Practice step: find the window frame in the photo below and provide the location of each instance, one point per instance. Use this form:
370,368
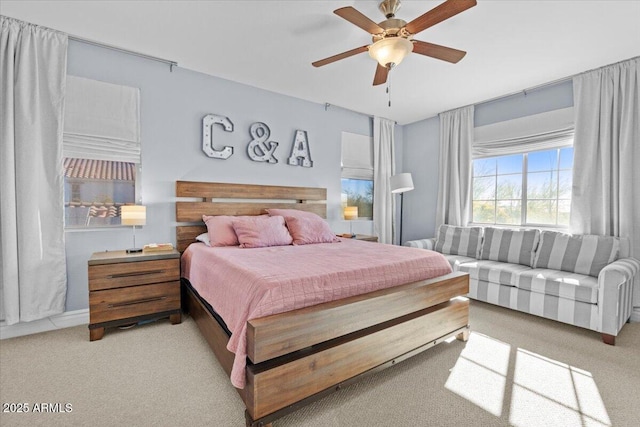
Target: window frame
356,162
524,192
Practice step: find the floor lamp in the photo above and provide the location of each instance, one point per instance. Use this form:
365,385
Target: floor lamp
401,183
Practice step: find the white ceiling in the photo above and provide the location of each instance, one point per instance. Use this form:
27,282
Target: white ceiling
511,45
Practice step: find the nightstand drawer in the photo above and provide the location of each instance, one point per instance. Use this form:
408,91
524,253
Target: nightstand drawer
114,304
120,275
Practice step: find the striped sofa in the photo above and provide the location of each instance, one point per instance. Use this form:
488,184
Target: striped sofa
582,280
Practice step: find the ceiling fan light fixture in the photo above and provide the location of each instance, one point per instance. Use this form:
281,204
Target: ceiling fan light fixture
390,51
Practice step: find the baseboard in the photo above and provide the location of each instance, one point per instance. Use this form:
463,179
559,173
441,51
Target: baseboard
635,314
60,321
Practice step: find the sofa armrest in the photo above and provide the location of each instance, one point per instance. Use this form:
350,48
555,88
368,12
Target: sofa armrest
429,243
615,286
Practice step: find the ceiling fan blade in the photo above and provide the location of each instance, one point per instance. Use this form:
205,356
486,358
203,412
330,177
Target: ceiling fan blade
381,75
439,52
438,14
358,19
340,56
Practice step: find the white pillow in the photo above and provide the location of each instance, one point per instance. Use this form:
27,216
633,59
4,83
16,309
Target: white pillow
204,238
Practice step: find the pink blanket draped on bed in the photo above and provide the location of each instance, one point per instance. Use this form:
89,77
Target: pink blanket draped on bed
243,284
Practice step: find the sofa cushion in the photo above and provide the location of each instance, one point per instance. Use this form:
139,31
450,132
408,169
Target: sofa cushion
512,246
457,260
459,240
584,254
573,286
502,273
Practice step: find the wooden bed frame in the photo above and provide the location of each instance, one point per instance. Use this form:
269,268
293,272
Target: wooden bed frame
297,357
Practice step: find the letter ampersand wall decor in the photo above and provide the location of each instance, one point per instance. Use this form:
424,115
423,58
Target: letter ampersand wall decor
207,136
259,149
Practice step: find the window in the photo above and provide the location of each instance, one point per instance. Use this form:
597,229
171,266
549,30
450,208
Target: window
523,189
101,149
94,191
357,173
359,193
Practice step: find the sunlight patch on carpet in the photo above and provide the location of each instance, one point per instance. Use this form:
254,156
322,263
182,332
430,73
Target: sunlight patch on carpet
480,373
548,392
543,391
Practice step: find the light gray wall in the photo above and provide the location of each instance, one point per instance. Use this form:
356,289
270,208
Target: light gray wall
422,148
172,107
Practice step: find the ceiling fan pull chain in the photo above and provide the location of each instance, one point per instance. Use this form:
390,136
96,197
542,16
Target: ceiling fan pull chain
389,88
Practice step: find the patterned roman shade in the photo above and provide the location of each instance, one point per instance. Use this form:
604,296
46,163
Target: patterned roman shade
584,254
459,240
513,246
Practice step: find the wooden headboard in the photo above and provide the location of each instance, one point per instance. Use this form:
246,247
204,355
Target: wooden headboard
216,198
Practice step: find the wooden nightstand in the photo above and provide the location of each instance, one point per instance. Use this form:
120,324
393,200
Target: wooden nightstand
127,288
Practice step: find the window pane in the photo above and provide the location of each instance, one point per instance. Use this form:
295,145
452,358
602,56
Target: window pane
566,158
564,188
484,167
484,212
542,185
94,191
508,212
542,160
510,186
510,164
358,192
541,212
484,188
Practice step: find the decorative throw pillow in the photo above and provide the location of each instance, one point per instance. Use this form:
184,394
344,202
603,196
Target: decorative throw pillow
459,240
583,254
204,238
513,246
306,227
262,231
220,229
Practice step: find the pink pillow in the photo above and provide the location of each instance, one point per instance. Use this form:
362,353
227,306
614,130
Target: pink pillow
260,232
220,229
306,227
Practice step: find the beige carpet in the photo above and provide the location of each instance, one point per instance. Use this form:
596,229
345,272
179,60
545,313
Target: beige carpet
516,369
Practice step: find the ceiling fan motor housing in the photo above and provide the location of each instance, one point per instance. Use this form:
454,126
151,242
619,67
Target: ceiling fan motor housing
389,7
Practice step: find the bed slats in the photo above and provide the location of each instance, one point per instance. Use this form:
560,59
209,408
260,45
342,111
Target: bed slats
276,335
219,190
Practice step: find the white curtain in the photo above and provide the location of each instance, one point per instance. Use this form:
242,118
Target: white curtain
32,258
454,187
606,173
383,168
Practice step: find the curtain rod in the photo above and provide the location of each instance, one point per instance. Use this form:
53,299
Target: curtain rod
123,50
540,86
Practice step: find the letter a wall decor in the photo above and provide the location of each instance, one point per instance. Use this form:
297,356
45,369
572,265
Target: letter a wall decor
207,136
300,154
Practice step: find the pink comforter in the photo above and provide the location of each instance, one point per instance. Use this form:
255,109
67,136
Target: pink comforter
243,284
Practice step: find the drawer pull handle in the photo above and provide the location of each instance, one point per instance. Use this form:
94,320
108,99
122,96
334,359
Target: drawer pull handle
135,273
140,301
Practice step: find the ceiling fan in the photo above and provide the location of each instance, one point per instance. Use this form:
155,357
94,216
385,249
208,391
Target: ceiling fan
393,38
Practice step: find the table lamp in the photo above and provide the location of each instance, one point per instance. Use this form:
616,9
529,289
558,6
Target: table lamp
133,215
350,214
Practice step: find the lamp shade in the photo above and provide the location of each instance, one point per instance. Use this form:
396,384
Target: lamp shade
401,183
390,50
133,215
351,212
